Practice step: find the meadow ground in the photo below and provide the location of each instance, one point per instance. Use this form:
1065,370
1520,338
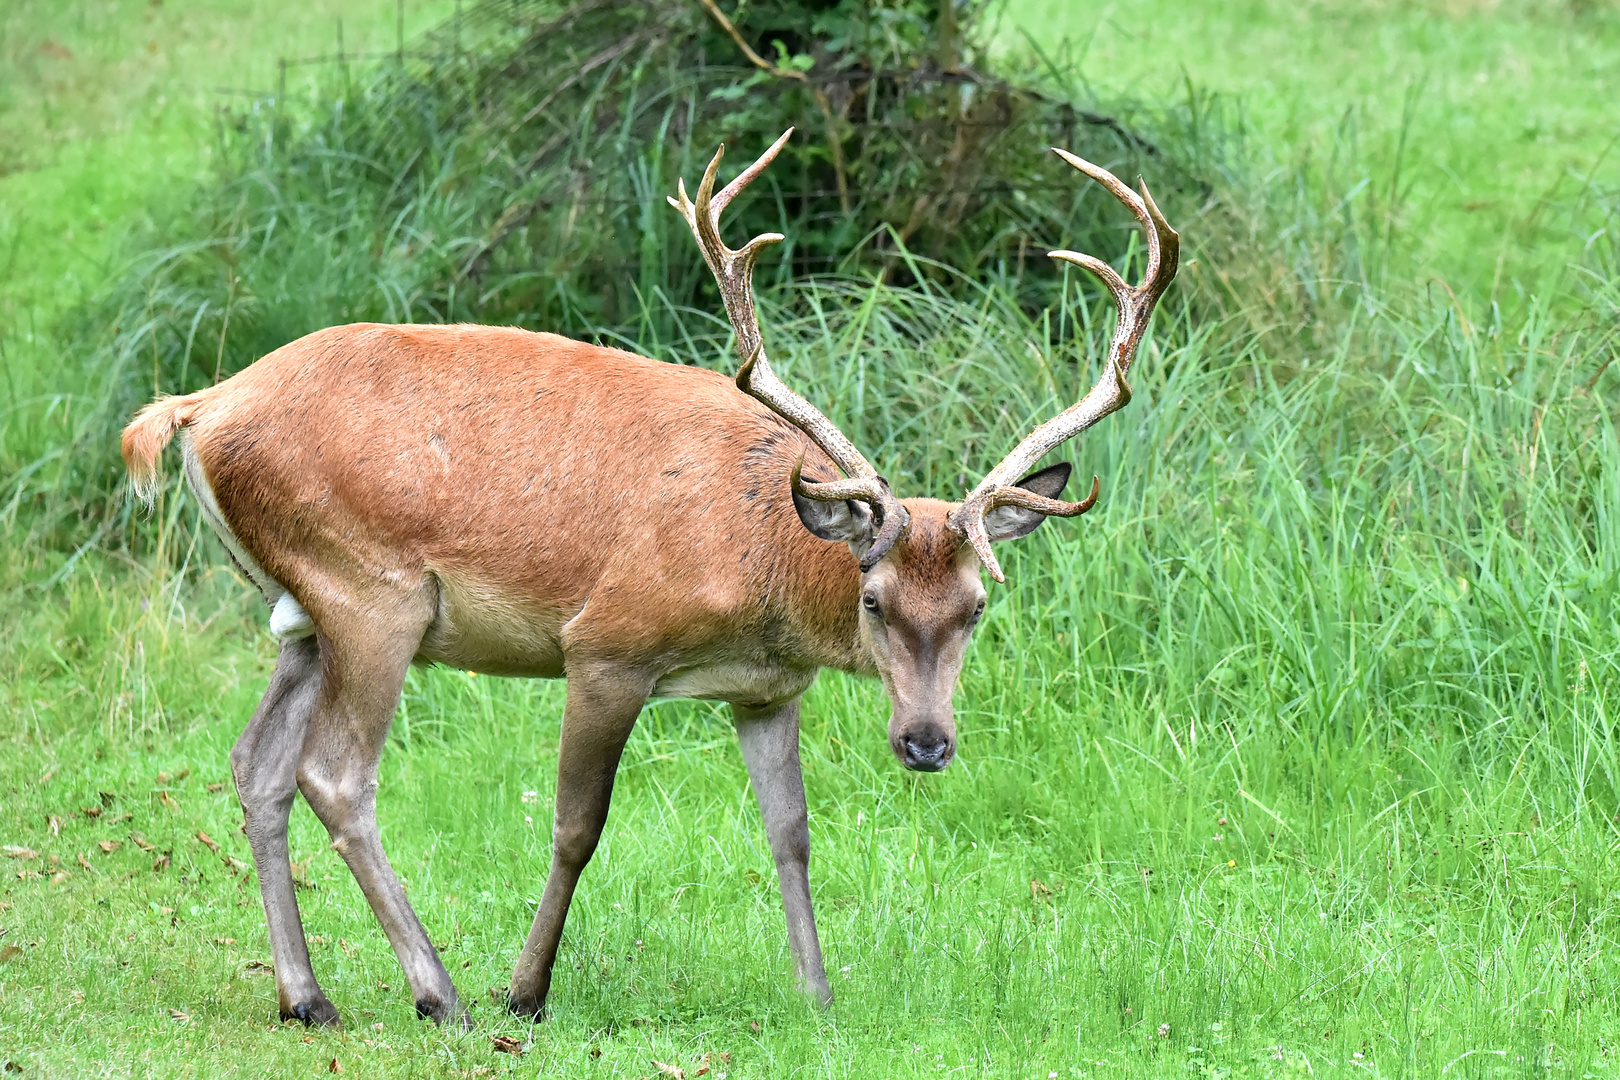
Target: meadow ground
1295,758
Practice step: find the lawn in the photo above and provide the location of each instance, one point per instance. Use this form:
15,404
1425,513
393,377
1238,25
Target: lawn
1294,758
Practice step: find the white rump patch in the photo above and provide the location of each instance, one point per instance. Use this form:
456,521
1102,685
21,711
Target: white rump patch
288,619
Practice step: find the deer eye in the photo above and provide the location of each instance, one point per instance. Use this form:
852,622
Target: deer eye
977,612
869,601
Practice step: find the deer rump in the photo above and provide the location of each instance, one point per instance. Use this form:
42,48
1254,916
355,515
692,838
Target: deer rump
519,477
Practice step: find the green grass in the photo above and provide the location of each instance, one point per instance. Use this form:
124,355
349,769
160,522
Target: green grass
1487,126
1299,747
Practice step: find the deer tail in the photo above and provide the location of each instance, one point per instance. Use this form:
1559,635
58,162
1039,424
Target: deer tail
147,435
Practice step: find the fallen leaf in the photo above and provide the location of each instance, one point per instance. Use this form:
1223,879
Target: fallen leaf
301,878
224,941
168,800
14,852
207,841
55,824
9,952
233,864
13,1067
181,775
1038,891
335,1066
91,811
505,1044
215,789
179,1016
59,877
161,864
163,779
56,51
674,1072
84,862
106,797
258,967
109,846
141,842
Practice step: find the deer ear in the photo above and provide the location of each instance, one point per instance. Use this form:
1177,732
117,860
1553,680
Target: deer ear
1011,522
846,520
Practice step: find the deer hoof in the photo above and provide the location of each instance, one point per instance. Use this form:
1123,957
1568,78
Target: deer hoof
317,1012
527,1006
442,1012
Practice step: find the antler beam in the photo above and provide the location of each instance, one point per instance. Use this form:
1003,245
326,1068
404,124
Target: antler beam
1134,305
734,272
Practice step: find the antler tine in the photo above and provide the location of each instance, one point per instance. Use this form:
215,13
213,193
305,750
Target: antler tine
1134,307
734,272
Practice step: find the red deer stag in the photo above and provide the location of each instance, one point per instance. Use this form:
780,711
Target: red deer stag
523,504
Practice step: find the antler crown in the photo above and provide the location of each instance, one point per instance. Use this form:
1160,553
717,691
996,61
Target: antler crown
734,272
1134,306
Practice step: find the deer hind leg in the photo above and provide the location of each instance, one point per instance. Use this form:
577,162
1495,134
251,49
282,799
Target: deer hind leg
770,747
602,707
364,670
264,764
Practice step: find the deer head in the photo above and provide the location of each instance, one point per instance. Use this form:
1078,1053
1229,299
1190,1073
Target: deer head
921,594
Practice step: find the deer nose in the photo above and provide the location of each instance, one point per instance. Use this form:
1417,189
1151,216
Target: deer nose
927,752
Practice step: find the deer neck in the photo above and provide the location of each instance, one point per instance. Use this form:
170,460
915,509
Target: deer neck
821,592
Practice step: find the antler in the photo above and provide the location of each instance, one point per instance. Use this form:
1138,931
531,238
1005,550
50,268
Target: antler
1134,305
734,273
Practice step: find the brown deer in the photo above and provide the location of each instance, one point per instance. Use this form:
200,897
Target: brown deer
523,504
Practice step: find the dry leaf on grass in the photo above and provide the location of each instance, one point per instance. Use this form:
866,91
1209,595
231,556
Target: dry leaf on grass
674,1072
335,1066
54,823
91,811
8,953
224,941
161,864
168,800
108,846
84,862
233,864
13,851
180,1016
505,1044
214,789
207,841
141,842
708,1059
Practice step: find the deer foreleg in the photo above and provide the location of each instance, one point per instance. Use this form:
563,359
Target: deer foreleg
770,746
601,709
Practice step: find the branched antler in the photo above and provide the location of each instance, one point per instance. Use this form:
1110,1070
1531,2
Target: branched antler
734,272
1134,304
